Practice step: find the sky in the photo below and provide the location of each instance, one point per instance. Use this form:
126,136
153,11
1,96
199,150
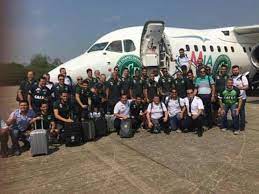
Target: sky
66,28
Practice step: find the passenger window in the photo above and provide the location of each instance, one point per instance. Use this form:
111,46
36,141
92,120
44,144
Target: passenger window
244,49
187,47
232,49
196,48
219,49
226,49
204,48
211,48
129,46
115,46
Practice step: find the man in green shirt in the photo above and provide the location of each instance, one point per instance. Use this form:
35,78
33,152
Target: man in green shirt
230,99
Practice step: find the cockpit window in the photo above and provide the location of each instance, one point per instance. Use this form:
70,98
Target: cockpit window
98,47
115,46
129,45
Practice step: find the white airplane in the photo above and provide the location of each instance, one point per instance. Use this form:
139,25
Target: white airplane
155,45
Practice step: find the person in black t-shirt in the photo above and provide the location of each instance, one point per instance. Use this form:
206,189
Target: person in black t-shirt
136,112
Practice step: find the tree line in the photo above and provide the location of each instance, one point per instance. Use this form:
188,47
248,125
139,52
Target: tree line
13,73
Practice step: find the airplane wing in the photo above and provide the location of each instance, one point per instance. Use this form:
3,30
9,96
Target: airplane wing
248,31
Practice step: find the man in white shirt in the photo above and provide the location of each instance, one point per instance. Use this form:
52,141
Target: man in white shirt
121,111
183,60
194,108
241,82
174,106
157,115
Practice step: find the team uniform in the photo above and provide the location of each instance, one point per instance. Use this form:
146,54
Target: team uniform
85,95
137,86
152,89
114,87
39,95
126,86
166,83
135,110
25,87
58,89
181,87
230,98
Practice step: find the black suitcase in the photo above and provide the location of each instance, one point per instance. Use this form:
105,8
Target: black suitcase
100,126
88,130
73,133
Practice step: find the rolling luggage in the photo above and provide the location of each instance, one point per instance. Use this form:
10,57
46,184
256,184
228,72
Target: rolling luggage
39,141
73,133
126,130
88,130
110,123
100,126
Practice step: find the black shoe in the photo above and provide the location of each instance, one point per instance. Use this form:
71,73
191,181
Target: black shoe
200,132
26,145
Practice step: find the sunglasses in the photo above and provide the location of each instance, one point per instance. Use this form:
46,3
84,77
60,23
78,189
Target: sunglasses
61,79
189,92
202,71
79,79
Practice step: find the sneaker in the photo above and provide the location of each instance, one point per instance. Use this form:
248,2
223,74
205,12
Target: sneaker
178,131
236,132
224,129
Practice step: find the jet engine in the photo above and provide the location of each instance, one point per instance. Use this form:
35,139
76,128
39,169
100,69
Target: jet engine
255,56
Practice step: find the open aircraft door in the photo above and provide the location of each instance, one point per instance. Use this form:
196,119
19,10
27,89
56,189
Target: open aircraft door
155,50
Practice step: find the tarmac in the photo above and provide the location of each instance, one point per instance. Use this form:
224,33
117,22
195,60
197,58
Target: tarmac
218,162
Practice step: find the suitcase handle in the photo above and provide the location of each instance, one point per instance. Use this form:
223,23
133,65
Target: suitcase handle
41,122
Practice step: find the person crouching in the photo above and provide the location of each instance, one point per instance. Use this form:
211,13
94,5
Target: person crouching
157,115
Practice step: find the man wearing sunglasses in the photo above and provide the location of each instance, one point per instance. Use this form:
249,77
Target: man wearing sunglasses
60,87
205,89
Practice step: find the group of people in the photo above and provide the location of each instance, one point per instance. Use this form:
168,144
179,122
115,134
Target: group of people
156,102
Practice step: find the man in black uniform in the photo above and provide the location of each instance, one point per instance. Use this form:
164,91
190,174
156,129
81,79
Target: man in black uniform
91,80
166,83
220,85
136,112
47,120
101,89
181,85
144,75
83,100
113,91
190,80
25,86
150,88
137,85
126,83
38,94
59,88
62,110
